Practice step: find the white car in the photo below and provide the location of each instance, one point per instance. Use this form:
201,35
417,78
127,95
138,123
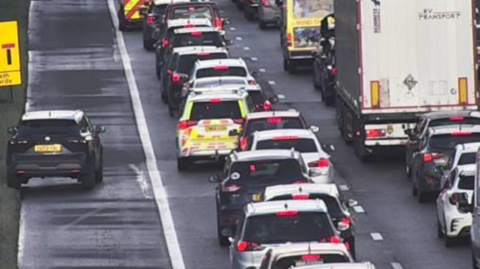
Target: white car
359,265
452,223
319,166
221,68
464,155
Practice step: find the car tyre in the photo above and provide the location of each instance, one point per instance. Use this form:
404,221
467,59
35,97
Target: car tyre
408,170
329,100
440,233
13,182
449,241
360,150
262,25
99,174
148,46
421,196
122,22
88,180
183,164
222,240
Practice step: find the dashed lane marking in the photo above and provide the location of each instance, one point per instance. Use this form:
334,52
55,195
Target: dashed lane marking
263,70
344,187
246,48
376,236
254,59
238,38
271,82
159,191
396,265
280,96
359,209
233,28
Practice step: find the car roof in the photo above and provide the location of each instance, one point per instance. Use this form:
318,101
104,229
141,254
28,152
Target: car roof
287,189
195,29
217,62
264,154
357,265
184,22
453,113
271,114
272,207
468,147
225,88
467,170
225,78
190,2
201,96
307,248
166,2
198,49
278,133
75,115
447,129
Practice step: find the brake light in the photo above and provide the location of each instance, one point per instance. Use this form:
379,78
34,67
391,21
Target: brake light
220,67
252,82
189,26
320,163
238,121
335,240
334,71
216,100
374,133
265,3
461,134
267,106
165,43
175,77
301,196
196,34
242,246
203,54
285,138
287,213
454,198
21,172
218,23
347,221
243,143
182,125
309,258
231,188
289,40
457,118
248,246
150,19
428,157
274,120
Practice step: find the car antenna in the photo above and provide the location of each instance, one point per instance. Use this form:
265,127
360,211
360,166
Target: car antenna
300,189
285,205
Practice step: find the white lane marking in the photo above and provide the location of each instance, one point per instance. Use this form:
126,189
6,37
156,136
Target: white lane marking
159,191
376,236
271,82
30,73
21,237
254,59
263,70
344,187
246,48
233,28
238,38
281,96
396,265
359,209
142,180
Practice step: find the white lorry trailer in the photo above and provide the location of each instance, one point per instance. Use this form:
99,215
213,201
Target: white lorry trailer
397,59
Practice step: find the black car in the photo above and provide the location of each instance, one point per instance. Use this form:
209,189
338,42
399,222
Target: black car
435,119
152,20
432,152
178,68
250,9
244,179
55,144
324,76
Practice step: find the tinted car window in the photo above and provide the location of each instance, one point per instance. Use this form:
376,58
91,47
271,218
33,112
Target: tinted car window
221,71
48,128
215,110
466,182
193,12
293,227
310,259
219,82
302,145
266,171
257,97
159,10
197,39
449,141
186,62
454,121
273,124
467,158
333,206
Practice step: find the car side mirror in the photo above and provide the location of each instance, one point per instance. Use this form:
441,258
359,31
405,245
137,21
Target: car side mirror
143,11
273,100
254,74
329,148
228,42
214,179
100,129
233,132
226,21
279,3
464,204
352,203
314,129
231,240
12,130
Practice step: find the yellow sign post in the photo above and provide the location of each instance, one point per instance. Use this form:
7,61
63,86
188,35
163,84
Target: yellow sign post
10,69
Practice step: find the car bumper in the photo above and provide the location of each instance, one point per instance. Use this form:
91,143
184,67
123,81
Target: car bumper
49,165
458,224
430,182
228,217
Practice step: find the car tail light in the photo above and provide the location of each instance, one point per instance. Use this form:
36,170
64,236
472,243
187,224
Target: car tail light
285,138
21,172
189,26
218,23
175,77
248,246
334,71
301,196
267,106
252,82
286,213
265,3
196,34
150,19
454,198
165,42
238,121
215,100
428,157
201,54
461,134
320,163
310,258
220,67
182,125
230,187
243,143
457,118
332,239
274,120
300,182
375,133
289,40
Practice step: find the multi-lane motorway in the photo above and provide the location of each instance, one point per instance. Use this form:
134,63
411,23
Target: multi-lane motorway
78,60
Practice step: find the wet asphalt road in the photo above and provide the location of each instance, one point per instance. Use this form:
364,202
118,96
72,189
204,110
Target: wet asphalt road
76,64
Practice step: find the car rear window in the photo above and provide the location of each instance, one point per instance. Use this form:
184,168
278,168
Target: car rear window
186,62
273,124
193,12
309,259
447,142
467,158
159,10
466,182
197,39
219,82
48,128
332,203
290,227
272,172
454,120
303,145
215,110
222,71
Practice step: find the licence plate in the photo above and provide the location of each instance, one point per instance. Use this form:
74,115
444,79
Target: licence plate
257,197
215,128
48,148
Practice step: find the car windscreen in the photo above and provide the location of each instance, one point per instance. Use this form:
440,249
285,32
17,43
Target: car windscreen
48,128
273,123
454,120
197,39
303,145
290,226
309,259
222,71
193,12
467,158
332,203
447,142
271,172
466,182
215,110
186,62
219,82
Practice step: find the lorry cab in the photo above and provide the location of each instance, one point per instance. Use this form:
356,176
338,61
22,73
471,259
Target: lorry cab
300,30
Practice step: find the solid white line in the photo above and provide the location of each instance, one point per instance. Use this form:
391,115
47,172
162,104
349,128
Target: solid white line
238,38
359,209
344,187
376,236
396,265
263,70
159,191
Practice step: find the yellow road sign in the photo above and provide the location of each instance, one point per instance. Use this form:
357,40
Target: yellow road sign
10,69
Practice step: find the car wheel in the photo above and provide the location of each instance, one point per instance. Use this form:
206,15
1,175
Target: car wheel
421,196
262,25
13,182
222,240
449,241
329,100
148,46
285,65
99,174
88,181
183,164
122,22
292,68
440,233
352,248
408,170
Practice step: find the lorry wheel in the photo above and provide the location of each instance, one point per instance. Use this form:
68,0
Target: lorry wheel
183,164
285,65
292,68
360,150
329,100
88,181
13,182
122,21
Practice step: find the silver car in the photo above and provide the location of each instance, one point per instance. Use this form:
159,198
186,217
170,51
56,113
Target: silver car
273,224
360,265
268,14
